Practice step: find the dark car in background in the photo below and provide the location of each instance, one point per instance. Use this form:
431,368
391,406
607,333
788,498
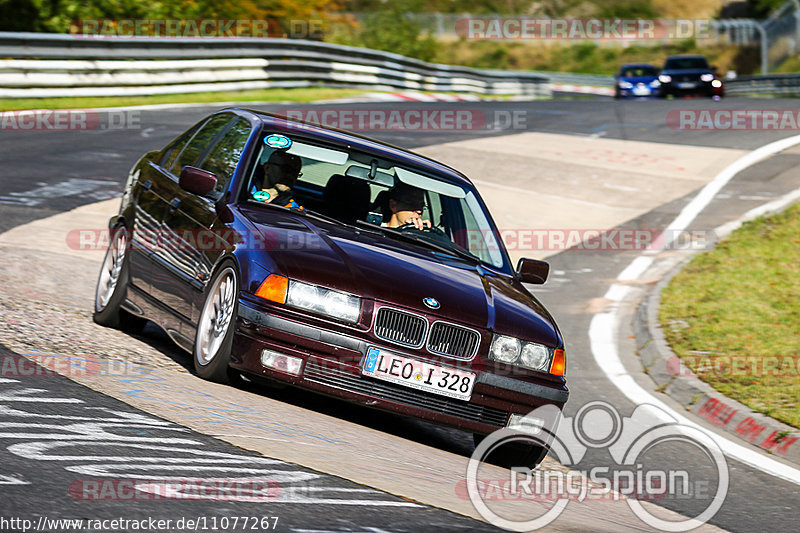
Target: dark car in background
689,75
637,80
435,323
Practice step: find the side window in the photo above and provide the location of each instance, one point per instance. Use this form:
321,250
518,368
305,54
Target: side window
177,145
224,157
200,142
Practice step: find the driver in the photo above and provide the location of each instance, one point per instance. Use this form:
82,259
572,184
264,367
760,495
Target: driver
280,174
406,204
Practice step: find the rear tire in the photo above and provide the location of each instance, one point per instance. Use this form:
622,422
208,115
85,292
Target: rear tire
214,337
514,454
112,286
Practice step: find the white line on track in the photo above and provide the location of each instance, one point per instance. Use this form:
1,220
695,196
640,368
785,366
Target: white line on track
603,327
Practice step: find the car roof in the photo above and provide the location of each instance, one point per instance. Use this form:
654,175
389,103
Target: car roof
336,136
635,65
687,56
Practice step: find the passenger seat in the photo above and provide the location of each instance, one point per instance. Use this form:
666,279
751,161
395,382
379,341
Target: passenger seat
346,198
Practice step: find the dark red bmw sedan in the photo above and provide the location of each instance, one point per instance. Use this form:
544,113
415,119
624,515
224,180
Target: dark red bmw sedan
336,263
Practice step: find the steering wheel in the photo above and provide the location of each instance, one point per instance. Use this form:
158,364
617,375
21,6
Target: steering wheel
432,229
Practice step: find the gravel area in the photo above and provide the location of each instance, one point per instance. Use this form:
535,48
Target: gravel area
46,309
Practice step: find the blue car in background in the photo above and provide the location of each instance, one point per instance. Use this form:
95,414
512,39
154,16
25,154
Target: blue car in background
637,80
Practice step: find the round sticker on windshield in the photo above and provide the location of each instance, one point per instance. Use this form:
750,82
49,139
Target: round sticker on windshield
280,142
261,196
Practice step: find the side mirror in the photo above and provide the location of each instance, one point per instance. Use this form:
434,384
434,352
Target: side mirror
533,271
197,181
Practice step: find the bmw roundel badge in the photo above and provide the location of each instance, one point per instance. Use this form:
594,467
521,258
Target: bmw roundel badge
433,303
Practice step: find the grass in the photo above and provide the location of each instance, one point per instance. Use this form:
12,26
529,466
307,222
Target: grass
261,95
586,57
733,316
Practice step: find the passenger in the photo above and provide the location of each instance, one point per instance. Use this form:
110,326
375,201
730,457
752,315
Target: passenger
280,174
406,204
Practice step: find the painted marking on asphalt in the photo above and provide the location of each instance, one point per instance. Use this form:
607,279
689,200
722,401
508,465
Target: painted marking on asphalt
24,395
603,327
87,188
103,446
10,480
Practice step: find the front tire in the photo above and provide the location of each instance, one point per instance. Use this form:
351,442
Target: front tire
214,338
112,286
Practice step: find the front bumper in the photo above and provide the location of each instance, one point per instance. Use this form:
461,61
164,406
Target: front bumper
332,365
637,92
701,88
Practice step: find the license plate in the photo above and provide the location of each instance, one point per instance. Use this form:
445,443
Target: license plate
641,91
442,380
687,85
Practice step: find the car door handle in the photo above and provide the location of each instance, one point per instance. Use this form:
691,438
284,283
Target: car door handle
173,205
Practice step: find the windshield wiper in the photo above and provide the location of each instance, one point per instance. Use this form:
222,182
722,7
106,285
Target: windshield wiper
409,237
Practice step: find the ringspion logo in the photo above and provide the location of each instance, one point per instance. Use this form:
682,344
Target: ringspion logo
628,476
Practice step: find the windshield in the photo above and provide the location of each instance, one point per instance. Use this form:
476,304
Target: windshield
638,72
352,187
686,63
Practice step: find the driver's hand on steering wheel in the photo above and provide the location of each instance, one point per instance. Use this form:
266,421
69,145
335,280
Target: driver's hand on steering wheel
418,222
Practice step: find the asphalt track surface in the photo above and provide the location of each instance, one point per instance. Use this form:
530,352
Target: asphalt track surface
45,173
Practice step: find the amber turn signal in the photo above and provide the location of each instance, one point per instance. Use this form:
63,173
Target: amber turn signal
559,366
274,288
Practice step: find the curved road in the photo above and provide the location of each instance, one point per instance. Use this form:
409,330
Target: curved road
45,173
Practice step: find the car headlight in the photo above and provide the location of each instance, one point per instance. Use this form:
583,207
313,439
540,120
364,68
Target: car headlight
716,83
328,302
706,77
505,349
535,356
531,355
665,78
324,301
625,85
655,84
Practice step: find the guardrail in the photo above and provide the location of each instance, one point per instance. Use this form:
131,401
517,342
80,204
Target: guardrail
771,84
55,65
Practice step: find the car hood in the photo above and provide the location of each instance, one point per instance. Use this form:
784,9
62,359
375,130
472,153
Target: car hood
393,272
